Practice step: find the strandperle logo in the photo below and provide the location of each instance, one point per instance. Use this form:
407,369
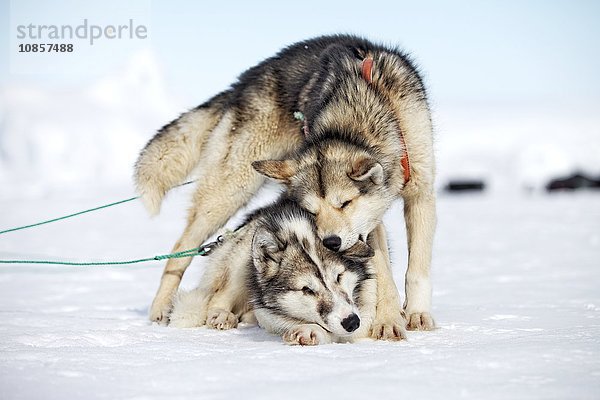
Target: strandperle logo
85,30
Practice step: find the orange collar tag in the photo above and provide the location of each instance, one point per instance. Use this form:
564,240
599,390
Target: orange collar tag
367,69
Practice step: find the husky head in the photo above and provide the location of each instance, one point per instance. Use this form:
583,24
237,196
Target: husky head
341,184
295,278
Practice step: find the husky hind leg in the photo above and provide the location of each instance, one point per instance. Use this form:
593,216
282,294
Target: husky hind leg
227,184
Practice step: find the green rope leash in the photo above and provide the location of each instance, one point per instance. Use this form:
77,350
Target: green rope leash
68,216
198,251
80,212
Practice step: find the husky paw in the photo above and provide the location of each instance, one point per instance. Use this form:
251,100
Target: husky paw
388,330
221,319
420,322
306,335
159,311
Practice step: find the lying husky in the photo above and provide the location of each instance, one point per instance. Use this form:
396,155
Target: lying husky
277,267
346,126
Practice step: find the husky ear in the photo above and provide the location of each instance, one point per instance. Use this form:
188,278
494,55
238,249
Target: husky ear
266,253
360,251
364,168
281,171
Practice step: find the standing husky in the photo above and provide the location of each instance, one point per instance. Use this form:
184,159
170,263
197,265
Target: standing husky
359,115
277,267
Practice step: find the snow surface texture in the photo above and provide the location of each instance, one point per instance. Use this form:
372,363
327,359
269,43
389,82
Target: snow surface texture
516,299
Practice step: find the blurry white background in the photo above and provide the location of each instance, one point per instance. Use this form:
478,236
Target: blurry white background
513,85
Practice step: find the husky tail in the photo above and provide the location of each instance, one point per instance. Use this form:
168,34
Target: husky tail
190,308
172,154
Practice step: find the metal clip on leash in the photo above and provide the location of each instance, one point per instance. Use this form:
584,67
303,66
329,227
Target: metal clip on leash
207,248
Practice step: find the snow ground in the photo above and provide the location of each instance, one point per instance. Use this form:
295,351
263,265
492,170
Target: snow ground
516,298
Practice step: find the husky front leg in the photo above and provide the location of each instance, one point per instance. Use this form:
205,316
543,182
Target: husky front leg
419,213
389,323
307,335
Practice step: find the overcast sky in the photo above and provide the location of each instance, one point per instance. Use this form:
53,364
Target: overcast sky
469,51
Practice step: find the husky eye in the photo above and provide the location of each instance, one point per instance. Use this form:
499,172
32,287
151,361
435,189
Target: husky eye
308,291
345,204
339,277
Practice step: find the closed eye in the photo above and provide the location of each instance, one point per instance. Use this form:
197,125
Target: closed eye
339,278
308,291
345,204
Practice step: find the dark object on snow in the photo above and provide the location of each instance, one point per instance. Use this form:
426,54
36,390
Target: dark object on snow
576,181
465,186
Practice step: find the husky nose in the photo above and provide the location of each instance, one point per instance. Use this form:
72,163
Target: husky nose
351,323
332,242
